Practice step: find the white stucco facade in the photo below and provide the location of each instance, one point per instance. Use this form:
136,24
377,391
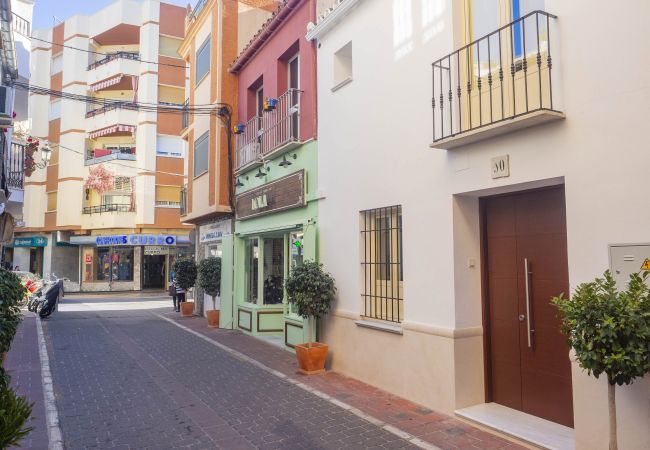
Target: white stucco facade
375,133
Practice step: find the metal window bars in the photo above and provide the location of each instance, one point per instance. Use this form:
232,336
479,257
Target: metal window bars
381,263
107,208
183,204
276,128
185,118
15,166
501,76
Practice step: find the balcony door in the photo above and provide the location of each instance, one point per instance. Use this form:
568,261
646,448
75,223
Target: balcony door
293,82
501,63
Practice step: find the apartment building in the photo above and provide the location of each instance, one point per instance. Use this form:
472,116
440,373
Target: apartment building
105,211
215,32
475,160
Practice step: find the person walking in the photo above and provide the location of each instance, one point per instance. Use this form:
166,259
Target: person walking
180,295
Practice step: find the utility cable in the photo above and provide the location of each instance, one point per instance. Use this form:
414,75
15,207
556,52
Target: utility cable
109,54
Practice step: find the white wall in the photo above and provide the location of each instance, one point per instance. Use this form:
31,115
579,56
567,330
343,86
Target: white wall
374,137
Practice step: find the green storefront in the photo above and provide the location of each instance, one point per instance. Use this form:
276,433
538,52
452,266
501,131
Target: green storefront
275,230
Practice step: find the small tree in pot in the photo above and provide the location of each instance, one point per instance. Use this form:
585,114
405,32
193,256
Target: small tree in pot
185,276
210,281
610,333
311,290
11,293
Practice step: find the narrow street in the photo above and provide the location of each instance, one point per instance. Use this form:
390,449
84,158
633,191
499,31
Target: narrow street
128,373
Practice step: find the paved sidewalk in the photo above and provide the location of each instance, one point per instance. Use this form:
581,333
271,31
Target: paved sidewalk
441,430
24,366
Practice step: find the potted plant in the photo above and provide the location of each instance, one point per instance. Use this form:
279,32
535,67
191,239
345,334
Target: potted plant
210,281
185,276
311,290
609,331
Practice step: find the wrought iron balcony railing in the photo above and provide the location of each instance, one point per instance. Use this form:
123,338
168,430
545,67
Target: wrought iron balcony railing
183,204
501,76
93,110
15,166
21,25
113,56
275,129
185,118
98,155
107,208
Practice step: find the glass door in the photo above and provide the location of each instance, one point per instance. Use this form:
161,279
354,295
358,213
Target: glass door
296,259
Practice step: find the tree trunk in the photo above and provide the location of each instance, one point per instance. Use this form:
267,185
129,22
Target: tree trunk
611,397
214,302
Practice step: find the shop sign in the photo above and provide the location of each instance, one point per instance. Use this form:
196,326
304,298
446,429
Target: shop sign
156,250
214,231
32,241
284,193
135,239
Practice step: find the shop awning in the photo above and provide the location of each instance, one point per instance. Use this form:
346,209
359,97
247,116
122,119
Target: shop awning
106,83
110,130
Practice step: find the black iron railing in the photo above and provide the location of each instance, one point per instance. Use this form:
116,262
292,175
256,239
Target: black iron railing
109,107
183,204
15,166
107,208
113,56
501,76
21,25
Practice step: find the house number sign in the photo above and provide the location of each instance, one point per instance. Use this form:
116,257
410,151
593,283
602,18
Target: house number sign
284,193
500,166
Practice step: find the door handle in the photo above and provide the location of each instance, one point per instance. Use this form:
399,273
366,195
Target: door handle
527,274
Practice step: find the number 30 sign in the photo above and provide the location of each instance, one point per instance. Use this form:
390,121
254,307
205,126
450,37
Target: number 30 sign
500,166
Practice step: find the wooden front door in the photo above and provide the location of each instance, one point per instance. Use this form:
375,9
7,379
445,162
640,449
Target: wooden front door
526,264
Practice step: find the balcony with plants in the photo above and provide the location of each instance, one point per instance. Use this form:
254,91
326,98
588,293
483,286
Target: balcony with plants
499,83
108,200
276,131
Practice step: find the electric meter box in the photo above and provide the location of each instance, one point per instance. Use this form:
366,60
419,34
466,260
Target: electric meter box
626,259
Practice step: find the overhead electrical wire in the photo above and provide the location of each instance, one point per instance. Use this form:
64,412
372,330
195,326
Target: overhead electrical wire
203,109
108,54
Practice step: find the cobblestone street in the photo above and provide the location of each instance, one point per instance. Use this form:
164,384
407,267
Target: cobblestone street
127,377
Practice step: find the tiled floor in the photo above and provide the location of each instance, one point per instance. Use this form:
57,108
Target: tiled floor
438,429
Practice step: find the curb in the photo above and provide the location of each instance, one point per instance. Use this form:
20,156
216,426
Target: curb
52,415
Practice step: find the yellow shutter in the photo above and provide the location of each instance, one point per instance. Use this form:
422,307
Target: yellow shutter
51,201
168,193
168,94
169,46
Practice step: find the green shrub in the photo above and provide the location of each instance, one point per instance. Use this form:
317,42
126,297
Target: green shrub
14,413
210,277
11,293
609,330
185,273
311,289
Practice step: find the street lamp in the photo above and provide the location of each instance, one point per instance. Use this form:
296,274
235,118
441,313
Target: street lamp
46,155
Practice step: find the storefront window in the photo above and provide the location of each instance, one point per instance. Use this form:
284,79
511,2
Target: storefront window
273,270
103,266
122,264
214,250
296,249
251,264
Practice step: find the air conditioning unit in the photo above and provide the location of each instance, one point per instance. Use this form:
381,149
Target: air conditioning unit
6,118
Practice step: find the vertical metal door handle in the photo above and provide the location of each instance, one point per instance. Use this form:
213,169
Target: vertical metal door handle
527,274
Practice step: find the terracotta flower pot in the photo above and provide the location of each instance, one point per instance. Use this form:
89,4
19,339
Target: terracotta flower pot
187,309
213,318
311,359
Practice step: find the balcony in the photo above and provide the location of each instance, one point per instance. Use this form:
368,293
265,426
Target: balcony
15,169
120,63
100,155
21,25
114,119
497,84
185,118
107,208
273,133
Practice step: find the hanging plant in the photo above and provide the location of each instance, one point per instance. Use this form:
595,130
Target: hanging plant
100,179
30,163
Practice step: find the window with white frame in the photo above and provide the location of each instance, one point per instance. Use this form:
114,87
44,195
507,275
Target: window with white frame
381,263
343,66
202,60
201,151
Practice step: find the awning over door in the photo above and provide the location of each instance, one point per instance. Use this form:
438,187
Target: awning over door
111,130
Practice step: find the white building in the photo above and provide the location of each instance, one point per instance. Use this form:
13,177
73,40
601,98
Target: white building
446,255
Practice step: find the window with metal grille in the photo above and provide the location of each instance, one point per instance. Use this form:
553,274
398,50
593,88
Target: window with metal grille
381,263
122,183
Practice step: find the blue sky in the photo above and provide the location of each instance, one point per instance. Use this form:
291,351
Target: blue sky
44,10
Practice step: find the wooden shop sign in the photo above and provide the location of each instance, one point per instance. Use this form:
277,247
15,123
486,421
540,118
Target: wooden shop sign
284,193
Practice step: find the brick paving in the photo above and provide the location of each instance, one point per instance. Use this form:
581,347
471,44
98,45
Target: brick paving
438,429
24,366
128,379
